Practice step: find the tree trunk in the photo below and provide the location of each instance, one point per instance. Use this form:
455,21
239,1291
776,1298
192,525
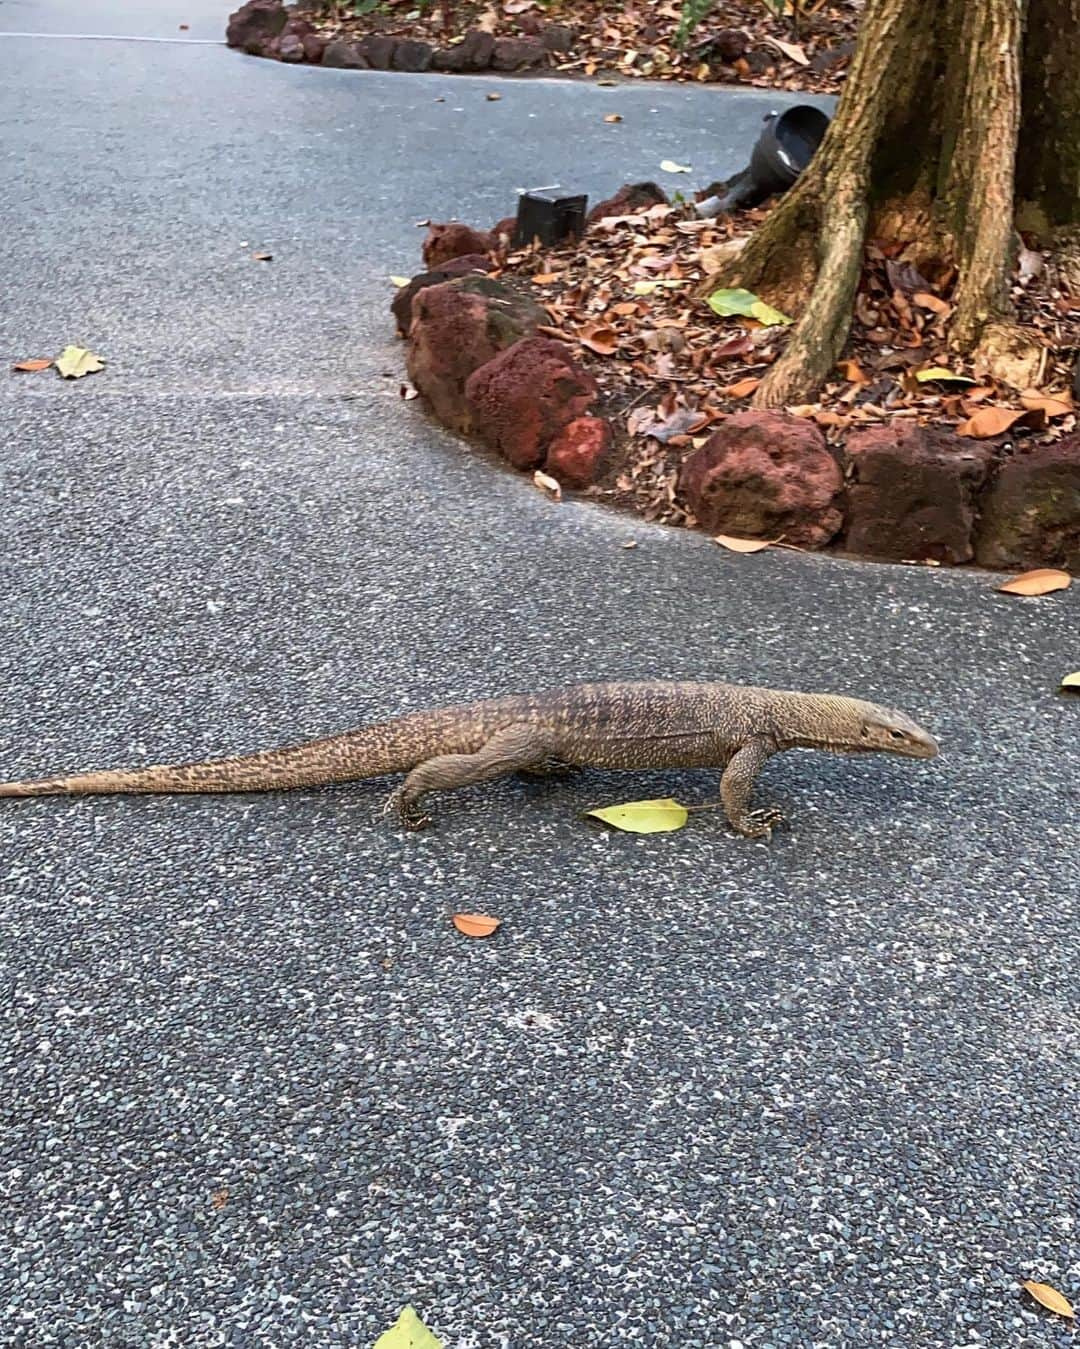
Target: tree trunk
924,149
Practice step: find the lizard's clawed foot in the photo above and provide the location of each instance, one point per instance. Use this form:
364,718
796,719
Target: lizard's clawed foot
408,815
760,823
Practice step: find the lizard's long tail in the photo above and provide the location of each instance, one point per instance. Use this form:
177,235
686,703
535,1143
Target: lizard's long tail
388,747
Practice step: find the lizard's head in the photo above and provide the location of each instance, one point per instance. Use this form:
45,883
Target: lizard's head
886,730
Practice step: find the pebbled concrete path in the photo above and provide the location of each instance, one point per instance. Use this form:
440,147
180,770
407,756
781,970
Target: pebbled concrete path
254,1089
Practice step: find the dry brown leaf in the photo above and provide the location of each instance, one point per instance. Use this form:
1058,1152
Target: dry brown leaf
547,484
544,278
613,117
625,308
1041,581
599,338
38,363
989,422
219,1198
1050,1298
739,345
1052,406
790,49
734,545
493,97
263,257
475,924
742,388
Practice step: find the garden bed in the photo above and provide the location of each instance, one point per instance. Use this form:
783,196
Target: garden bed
739,42
617,377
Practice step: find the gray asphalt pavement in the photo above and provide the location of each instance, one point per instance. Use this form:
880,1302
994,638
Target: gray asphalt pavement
256,1090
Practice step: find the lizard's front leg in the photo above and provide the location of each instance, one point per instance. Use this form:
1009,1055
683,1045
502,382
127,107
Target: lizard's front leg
511,750
737,786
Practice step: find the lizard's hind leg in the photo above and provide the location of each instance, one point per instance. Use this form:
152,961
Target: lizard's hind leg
511,750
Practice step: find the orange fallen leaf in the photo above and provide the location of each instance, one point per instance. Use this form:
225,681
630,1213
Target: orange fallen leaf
1041,581
626,308
39,363
475,924
604,341
1050,1298
742,388
1049,404
853,371
925,300
545,278
989,422
550,331
734,545
613,117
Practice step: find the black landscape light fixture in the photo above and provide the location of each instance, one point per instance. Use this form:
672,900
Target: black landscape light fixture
549,216
783,149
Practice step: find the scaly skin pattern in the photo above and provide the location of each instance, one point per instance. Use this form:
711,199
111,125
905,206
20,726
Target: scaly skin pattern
648,725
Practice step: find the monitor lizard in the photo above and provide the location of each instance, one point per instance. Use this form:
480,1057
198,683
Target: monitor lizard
632,726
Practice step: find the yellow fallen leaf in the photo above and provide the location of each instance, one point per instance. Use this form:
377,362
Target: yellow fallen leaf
649,287
1041,581
735,545
669,166
940,372
660,816
475,924
400,281
74,362
1071,681
1050,1298
408,1332
547,484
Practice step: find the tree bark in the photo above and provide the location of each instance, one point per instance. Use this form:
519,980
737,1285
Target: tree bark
923,149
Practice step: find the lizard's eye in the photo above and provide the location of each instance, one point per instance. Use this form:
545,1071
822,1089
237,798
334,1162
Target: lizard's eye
897,735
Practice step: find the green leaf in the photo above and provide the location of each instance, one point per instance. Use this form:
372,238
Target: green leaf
408,1332
74,362
745,303
400,281
644,817
939,372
